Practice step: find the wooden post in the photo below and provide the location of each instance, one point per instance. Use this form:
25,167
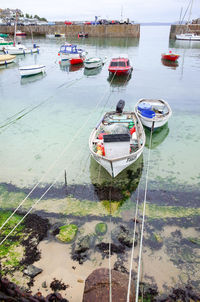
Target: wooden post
65,178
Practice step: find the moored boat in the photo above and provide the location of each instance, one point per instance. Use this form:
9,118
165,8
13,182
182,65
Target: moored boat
120,65
82,35
118,140
31,70
6,59
94,62
188,36
153,112
59,35
4,43
20,33
72,53
170,56
19,49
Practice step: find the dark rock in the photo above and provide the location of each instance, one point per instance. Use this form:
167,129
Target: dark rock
124,236
97,286
32,271
44,284
104,248
57,285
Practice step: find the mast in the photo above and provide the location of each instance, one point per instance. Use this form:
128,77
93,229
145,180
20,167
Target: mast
190,12
15,30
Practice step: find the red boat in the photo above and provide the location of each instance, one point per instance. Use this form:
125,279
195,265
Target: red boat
170,56
20,33
120,65
75,61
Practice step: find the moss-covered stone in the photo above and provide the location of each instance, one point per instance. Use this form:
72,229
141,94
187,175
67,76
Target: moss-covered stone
101,228
67,232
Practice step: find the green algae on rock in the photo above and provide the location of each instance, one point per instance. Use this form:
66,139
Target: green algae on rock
67,232
101,228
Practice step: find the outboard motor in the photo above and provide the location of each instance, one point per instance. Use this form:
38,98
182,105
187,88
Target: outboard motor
120,106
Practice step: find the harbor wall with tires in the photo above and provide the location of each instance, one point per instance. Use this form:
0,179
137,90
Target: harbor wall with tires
115,30
181,29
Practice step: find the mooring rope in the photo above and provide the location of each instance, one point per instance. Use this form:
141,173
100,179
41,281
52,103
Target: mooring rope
133,246
51,166
109,260
143,216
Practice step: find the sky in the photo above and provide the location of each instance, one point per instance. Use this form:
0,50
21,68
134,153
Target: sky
86,10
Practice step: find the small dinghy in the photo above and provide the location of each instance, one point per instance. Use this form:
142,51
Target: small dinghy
6,59
120,65
20,49
26,71
153,112
118,140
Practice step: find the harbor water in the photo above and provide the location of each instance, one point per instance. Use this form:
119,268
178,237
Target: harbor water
45,124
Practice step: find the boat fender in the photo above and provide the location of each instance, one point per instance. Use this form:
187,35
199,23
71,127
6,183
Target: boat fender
24,52
132,130
6,63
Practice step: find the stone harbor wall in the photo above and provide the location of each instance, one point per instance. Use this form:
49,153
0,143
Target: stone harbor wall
115,30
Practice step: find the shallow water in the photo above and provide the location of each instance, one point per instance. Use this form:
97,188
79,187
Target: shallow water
46,120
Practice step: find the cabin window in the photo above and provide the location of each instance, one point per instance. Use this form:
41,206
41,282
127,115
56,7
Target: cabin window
113,64
122,64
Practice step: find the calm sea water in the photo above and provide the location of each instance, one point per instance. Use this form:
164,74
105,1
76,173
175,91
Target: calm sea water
49,118
45,123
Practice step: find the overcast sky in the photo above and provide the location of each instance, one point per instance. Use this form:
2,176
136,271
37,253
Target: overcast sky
136,10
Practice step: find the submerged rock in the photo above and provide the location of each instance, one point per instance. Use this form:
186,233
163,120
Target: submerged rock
101,228
32,271
124,236
67,233
97,286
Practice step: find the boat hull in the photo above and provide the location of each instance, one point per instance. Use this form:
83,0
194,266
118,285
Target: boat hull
119,72
170,57
188,37
18,51
75,61
91,65
6,59
117,166
25,71
4,44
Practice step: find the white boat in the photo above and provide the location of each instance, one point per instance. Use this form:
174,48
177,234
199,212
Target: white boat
153,112
188,36
19,49
4,43
6,59
71,52
31,70
94,62
118,140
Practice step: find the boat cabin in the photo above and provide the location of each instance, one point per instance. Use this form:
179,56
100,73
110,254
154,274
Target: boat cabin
69,49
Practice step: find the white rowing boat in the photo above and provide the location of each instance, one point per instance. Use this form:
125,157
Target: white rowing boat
118,140
154,112
94,62
31,70
19,49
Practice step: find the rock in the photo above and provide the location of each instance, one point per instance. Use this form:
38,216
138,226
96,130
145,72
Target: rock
97,286
124,236
32,271
44,284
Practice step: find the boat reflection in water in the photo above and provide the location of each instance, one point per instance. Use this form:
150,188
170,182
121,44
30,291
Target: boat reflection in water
93,71
171,64
119,81
66,66
158,136
119,188
33,78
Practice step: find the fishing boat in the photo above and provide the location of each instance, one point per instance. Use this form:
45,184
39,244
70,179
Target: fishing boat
4,43
170,56
153,113
20,49
72,53
120,65
20,33
59,35
82,35
6,59
26,71
118,140
94,62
